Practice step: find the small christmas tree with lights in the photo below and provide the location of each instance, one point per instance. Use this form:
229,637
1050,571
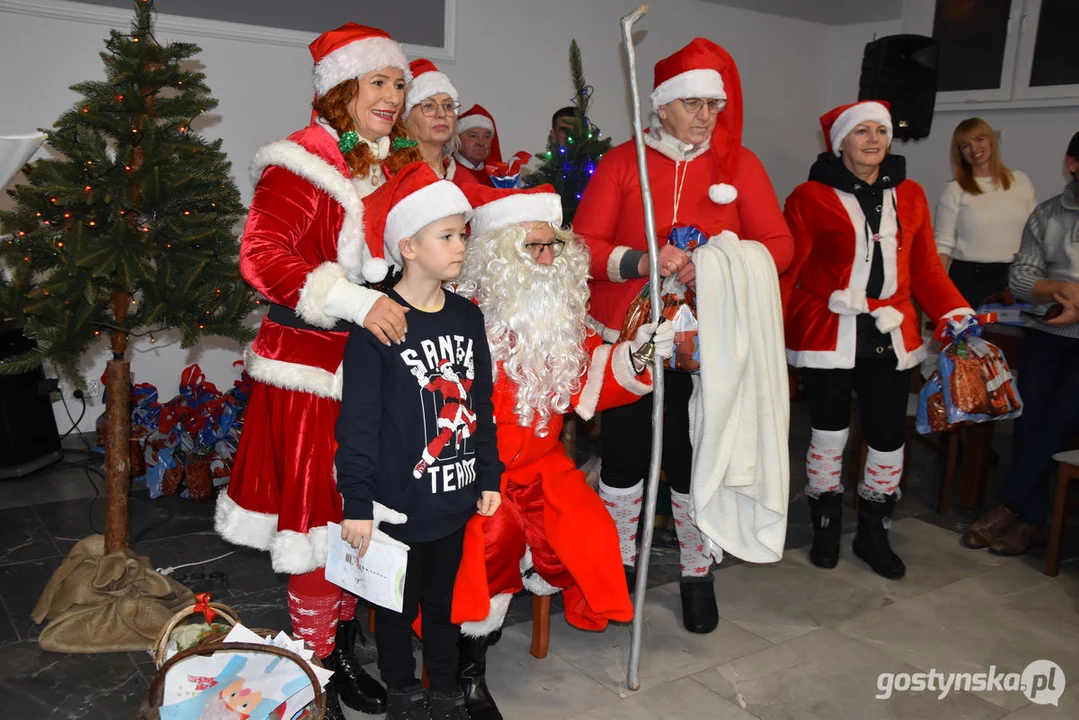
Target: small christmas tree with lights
129,231
569,166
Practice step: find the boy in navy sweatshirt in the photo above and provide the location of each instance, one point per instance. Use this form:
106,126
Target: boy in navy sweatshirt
416,432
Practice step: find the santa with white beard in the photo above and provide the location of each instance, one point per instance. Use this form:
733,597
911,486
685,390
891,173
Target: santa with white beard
552,533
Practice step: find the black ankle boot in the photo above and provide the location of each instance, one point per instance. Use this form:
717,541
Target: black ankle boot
354,686
871,539
408,703
699,611
472,674
827,513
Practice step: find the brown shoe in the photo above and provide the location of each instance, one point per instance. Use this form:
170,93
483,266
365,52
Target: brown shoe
988,528
1018,540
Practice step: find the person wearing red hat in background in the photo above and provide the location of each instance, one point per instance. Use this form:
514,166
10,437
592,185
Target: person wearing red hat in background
552,533
431,107
416,434
863,249
701,176
479,144
303,248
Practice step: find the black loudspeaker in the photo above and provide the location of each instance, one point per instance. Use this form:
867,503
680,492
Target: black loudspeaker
29,440
902,69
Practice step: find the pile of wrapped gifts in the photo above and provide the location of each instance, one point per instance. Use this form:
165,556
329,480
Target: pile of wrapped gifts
186,445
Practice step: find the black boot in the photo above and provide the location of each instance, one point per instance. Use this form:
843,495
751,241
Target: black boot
408,703
354,686
448,706
699,611
827,513
871,539
631,577
333,707
472,674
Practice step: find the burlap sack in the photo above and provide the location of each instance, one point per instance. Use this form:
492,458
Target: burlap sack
106,603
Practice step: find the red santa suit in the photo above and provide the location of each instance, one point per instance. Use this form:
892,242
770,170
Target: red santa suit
477,117
825,287
551,525
721,186
303,248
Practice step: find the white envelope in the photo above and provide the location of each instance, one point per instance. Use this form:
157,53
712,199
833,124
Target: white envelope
378,576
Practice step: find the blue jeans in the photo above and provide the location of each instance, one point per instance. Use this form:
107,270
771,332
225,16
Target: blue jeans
1049,387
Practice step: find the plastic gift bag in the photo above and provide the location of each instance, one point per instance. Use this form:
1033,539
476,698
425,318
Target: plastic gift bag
972,384
679,307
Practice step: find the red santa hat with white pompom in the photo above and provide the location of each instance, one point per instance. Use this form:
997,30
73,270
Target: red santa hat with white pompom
703,69
413,199
499,207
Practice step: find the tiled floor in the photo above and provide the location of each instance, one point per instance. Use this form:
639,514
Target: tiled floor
794,641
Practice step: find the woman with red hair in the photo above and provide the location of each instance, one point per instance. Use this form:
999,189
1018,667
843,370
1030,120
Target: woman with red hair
303,248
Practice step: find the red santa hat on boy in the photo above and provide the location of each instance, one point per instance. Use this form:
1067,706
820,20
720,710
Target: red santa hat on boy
350,52
703,69
413,199
499,207
838,122
478,117
427,82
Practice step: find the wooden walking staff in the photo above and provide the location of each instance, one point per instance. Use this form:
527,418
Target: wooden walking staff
633,678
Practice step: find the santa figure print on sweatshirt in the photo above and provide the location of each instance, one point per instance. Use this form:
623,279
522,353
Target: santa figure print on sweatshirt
444,371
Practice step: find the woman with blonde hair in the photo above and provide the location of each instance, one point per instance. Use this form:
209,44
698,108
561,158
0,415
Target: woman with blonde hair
981,214
430,117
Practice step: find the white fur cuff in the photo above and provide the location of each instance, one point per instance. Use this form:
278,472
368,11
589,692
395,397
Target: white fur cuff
887,319
350,301
625,374
614,263
500,605
312,303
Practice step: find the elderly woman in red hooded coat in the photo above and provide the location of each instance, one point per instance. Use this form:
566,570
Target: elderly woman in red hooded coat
701,176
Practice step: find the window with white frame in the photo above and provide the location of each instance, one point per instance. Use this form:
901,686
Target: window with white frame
1001,51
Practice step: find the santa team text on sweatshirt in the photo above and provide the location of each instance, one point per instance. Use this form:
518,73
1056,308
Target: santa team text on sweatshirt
416,431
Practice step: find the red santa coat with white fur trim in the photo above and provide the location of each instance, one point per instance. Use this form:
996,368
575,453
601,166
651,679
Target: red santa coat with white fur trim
304,232
825,286
549,510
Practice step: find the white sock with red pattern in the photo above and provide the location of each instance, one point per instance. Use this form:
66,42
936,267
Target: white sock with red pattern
624,505
824,461
695,563
883,471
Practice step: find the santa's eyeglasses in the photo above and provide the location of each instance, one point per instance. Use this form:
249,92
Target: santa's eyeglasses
694,105
430,108
536,249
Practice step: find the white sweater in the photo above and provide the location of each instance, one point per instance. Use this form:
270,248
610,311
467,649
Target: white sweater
985,228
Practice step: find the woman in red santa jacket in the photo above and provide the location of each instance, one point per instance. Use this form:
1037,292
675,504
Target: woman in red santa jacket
864,250
303,248
700,176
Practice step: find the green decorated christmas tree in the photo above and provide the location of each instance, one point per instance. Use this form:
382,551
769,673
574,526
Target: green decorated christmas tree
129,230
569,166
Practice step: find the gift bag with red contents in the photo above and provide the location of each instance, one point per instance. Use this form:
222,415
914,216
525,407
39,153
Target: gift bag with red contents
972,384
679,307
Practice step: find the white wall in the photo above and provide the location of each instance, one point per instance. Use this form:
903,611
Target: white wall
1032,140
512,57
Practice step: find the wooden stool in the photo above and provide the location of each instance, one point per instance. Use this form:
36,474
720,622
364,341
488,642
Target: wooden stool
541,625
1069,470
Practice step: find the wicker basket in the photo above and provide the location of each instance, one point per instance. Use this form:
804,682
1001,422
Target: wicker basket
152,704
161,644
